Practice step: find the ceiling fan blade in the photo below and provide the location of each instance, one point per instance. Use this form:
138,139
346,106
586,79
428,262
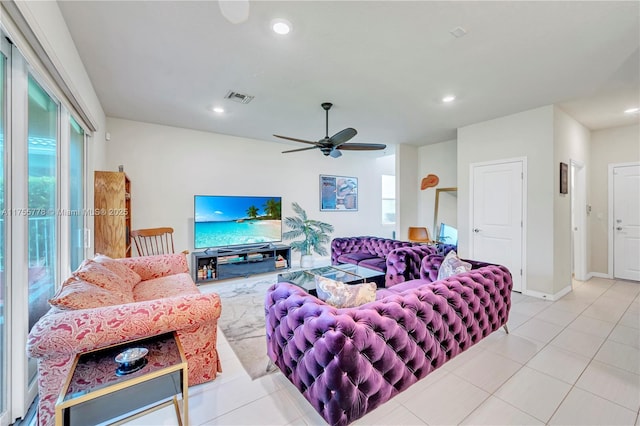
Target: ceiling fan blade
299,149
296,140
342,136
362,146
335,153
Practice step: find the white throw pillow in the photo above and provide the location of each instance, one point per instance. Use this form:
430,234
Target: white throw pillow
343,295
452,265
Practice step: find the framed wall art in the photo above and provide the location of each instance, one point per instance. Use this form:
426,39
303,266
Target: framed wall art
338,193
564,178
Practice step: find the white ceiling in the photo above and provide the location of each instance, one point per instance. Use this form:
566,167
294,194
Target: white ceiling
384,65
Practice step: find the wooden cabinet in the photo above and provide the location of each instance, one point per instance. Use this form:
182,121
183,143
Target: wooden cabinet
112,214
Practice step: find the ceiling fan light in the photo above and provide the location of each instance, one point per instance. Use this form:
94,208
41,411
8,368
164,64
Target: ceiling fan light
218,110
281,26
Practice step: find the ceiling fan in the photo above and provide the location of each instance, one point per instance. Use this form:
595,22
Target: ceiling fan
332,146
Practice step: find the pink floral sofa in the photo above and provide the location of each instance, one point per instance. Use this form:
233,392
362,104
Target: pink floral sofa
108,301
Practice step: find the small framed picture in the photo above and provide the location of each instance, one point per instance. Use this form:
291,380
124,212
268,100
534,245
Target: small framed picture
338,193
564,178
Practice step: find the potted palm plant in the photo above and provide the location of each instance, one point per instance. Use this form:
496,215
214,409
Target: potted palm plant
315,233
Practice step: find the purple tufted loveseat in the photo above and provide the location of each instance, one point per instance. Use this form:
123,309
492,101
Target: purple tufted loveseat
370,252
404,263
346,362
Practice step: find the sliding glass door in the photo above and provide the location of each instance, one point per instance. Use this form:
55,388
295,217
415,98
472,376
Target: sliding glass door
42,196
42,193
3,225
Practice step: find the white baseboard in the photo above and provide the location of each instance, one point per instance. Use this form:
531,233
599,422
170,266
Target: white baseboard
548,296
598,275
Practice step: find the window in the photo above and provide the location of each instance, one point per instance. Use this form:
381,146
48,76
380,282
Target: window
388,200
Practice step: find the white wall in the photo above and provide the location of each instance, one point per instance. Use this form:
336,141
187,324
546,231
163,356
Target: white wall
168,165
609,146
527,134
439,159
571,142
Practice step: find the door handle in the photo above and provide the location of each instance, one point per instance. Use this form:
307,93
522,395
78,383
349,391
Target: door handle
476,230
619,228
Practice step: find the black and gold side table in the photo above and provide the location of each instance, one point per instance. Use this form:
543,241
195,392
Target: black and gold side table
95,392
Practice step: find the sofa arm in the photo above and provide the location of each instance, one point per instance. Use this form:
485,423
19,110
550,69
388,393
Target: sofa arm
77,331
162,265
403,264
430,266
443,248
340,246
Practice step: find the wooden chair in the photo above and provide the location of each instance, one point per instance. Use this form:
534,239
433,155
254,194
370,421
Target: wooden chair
419,235
152,241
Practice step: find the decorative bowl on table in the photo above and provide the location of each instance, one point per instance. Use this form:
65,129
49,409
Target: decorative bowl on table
131,360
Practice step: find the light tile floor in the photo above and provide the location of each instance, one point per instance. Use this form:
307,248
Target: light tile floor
575,361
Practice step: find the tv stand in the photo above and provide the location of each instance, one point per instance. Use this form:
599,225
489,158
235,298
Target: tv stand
233,262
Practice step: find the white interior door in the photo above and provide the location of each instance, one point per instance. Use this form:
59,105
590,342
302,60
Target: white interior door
626,222
497,216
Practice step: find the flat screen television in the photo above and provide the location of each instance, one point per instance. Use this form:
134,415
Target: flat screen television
448,234
226,220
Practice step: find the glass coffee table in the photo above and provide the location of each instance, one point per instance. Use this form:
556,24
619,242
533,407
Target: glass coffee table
346,273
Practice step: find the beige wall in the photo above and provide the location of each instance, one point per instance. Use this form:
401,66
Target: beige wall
439,159
609,146
406,183
168,165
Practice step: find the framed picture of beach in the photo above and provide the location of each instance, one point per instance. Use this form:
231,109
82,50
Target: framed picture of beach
338,193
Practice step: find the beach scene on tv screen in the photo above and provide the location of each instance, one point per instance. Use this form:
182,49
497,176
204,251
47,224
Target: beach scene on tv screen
226,221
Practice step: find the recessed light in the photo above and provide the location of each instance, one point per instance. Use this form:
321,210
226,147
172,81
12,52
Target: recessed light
281,26
448,98
632,110
219,110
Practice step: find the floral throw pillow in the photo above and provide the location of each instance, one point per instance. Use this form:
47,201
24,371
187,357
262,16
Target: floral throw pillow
343,295
128,276
78,294
95,273
452,265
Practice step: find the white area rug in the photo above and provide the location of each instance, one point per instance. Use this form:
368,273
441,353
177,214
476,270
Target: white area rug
242,321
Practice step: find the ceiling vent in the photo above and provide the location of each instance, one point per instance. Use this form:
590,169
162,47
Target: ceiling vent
238,97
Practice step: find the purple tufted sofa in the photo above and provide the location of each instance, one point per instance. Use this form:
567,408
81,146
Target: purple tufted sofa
404,263
346,362
370,252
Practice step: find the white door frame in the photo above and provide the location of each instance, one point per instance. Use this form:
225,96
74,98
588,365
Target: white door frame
523,249
578,200
610,212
